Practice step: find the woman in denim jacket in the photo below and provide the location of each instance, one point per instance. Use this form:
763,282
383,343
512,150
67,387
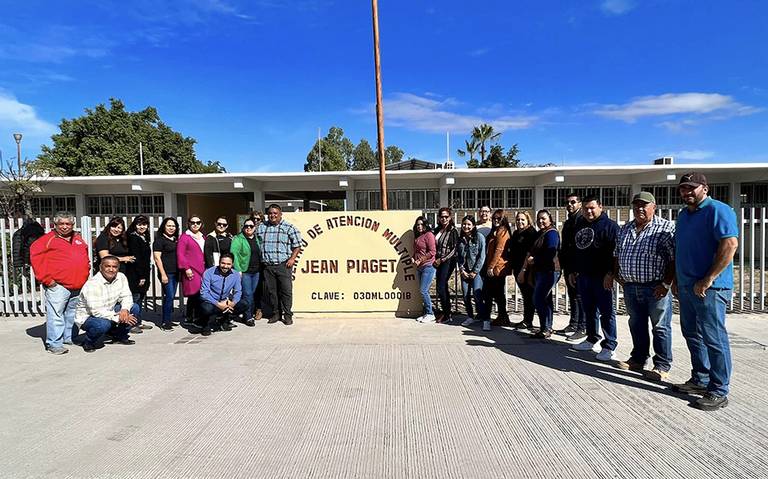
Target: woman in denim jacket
471,259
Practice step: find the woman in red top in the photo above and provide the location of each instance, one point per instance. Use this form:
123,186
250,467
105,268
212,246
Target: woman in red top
423,257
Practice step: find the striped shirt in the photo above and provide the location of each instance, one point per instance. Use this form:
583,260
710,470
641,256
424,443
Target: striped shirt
278,241
643,256
99,297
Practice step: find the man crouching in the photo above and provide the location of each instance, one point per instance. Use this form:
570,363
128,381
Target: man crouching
221,294
106,306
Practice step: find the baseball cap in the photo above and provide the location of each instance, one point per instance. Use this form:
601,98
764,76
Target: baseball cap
693,178
644,196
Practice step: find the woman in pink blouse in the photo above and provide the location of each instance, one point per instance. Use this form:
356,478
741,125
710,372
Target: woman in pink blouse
191,262
423,257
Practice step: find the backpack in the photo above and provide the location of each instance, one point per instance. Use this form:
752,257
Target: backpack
22,240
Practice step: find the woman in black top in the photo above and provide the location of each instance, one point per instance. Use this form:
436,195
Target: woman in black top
446,243
113,241
164,251
137,271
519,245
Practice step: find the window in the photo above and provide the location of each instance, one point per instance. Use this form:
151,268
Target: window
468,197
361,200
124,205
456,201
550,198
433,198
497,199
483,198
526,198
513,198
418,200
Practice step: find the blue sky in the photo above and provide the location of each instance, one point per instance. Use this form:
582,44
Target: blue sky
572,82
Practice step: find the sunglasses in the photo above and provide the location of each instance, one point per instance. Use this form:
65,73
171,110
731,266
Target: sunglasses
572,202
222,224
249,226
195,222
444,217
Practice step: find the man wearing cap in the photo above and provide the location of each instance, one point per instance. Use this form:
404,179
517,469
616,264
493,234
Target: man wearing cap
706,238
644,264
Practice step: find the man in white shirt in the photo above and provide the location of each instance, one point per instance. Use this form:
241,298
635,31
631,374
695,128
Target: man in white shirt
106,306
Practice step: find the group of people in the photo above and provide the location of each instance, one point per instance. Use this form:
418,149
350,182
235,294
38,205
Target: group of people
650,257
223,278
248,276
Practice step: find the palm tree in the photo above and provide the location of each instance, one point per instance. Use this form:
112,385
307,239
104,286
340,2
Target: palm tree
470,149
483,134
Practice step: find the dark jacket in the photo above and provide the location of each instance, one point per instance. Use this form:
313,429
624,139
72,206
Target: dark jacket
595,243
567,236
518,247
215,244
139,248
544,251
447,244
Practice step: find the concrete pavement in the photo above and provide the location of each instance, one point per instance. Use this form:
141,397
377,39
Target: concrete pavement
368,397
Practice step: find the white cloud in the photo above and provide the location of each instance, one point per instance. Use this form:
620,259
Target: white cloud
723,106
617,7
15,115
428,114
694,155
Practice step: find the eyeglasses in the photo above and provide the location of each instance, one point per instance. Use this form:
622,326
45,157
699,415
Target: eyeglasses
195,222
249,226
496,218
222,224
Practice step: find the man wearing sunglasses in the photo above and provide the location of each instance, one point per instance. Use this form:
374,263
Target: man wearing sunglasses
217,242
577,326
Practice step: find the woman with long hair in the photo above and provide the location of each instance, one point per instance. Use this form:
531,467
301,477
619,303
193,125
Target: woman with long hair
113,241
471,257
138,270
191,260
423,259
446,242
542,262
496,269
164,250
519,245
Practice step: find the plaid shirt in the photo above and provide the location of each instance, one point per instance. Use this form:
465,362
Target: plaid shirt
98,298
277,241
644,256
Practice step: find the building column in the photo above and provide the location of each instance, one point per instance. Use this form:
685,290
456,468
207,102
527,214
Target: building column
538,197
349,202
170,204
79,205
444,196
735,195
636,188
258,201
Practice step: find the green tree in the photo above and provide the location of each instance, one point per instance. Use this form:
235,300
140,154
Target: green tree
105,141
498,159
392,154
470,149
363,157
336,151
484,134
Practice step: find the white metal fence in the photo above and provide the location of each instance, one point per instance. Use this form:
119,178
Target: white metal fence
20,295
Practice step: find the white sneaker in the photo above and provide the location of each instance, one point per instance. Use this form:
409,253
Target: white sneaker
428,318
486,325
605,354
584,346
468,322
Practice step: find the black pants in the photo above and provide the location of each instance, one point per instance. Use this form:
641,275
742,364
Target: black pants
278,288
444,274
528,308
258,298
493,290
578,318
211,316
193,307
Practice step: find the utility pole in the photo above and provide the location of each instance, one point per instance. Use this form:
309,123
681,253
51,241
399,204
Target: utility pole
141,160
379,107
17,137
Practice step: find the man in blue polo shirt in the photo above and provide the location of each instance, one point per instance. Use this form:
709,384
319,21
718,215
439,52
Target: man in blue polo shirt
705,241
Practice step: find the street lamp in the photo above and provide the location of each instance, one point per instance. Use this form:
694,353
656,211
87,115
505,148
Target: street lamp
17,137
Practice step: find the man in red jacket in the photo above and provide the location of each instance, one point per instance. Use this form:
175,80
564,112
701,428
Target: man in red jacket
60,261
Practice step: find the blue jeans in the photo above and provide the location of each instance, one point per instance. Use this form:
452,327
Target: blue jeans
95,327
542,297
473,288
702,321
60,304
594,299
577,321
641,305
426,274
249,282
169,293
138,299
